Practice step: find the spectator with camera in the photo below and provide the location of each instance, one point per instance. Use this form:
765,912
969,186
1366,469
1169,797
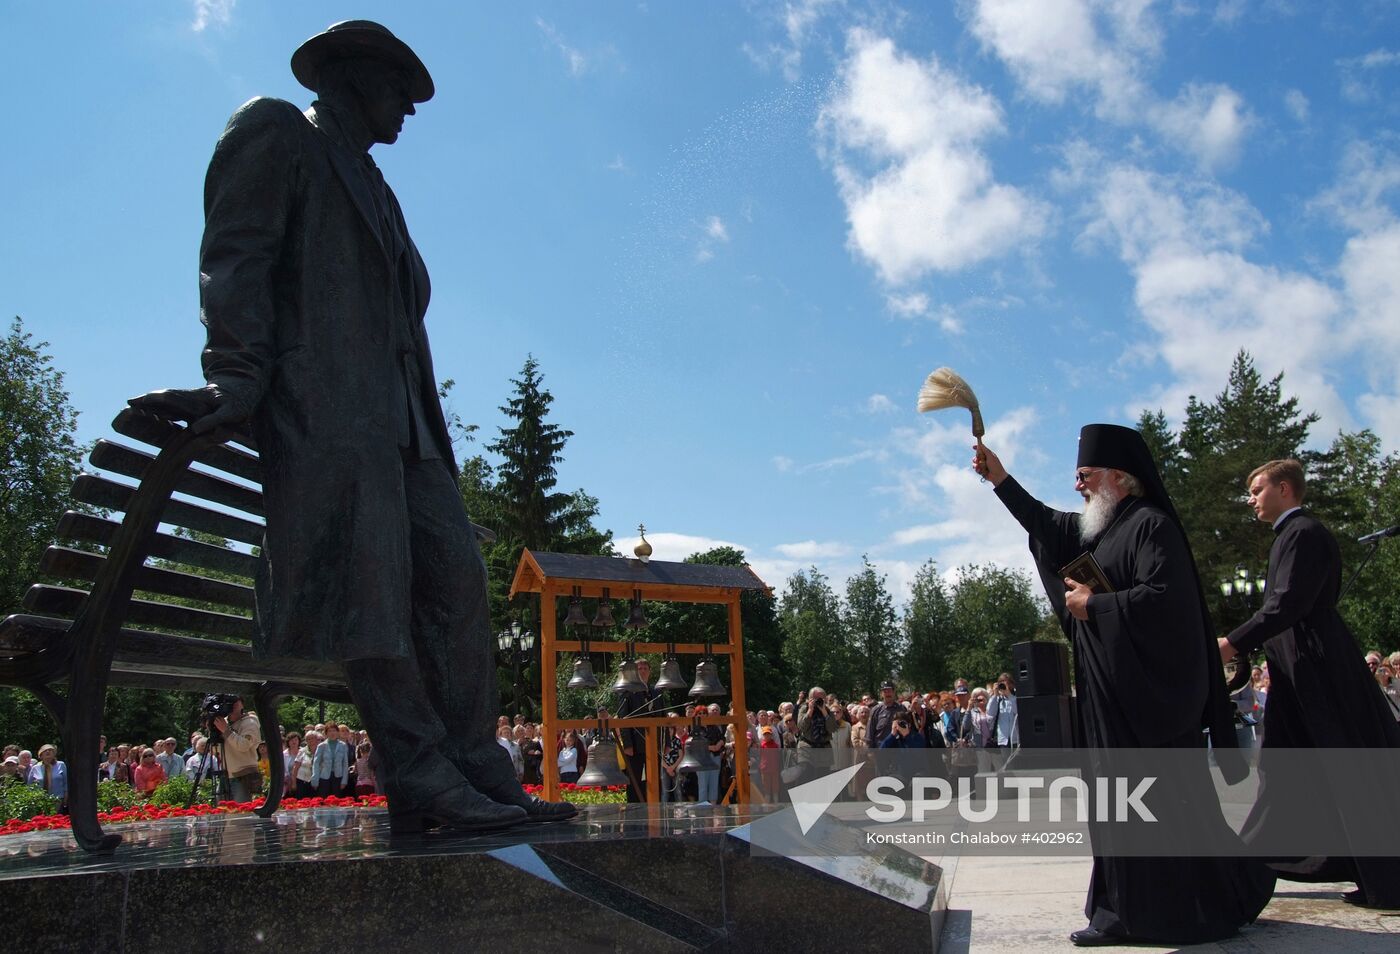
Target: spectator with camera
813,720
903,735
1002,709
241,733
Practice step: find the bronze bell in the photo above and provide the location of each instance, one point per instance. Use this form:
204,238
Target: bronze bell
671,676
575,617
583,677
627,678
707,681
698,757
637,618
603,619
601,770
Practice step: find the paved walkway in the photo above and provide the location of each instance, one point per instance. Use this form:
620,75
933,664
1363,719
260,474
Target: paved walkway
1025,905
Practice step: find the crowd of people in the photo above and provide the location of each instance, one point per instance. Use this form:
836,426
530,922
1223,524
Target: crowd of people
334,759
320,760
1250,700
975,720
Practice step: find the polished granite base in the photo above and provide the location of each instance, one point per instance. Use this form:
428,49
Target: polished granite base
617,878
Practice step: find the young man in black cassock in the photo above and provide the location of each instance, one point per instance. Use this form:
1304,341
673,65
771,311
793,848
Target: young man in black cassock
1313,659
1145,676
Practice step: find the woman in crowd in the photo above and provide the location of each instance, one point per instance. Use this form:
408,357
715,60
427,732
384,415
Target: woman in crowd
571,757
364,771
291,754
114,769
506,737
840,727
670,760
52,775
148,773
981,728
305,785
948,718
264,764
532,754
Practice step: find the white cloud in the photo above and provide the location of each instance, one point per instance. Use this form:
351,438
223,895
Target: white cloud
619,165
674,547
1054,47
879,404
712,232
930,201
912,305
1228,12
812,550
217,12
1057,47
932,476
1377,59
1367,177
782,464
798,18
1370,271
1297,105
1203,299
1209,122
1358,74
574,58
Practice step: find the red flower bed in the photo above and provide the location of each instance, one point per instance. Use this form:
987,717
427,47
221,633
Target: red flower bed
148,812
571,787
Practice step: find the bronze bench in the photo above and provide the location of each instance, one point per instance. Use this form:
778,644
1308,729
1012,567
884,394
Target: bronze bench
105,635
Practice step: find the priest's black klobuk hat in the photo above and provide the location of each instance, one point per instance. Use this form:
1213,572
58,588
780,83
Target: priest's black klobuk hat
1122,448
360,39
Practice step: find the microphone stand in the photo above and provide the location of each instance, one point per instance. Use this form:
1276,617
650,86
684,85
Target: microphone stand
1375,545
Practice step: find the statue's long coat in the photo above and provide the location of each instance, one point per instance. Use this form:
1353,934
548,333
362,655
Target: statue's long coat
298,291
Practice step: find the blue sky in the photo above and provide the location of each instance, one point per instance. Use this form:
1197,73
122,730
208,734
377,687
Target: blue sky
737,236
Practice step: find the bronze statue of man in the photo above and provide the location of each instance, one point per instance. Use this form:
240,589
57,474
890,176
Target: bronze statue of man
314,295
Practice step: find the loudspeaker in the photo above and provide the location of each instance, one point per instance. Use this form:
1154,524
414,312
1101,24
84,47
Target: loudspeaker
1040,669
1044,722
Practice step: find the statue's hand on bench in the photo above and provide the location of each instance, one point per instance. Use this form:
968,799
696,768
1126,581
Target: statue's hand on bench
203,408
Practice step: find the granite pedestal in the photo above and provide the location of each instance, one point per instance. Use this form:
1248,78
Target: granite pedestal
617,878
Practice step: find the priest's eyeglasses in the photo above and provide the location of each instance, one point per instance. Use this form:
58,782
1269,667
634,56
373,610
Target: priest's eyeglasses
1082,476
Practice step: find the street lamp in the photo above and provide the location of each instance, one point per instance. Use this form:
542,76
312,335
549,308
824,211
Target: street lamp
515,643
1244,589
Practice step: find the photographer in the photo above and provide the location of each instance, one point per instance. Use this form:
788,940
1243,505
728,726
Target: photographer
814,725
1003,713
241,732
813,721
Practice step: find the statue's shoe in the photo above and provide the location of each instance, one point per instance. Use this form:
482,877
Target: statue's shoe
494,778
461,810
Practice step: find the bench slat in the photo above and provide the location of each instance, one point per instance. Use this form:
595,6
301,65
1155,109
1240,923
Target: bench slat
130,462
90,529
69,564
166,655
66,601
113,495
152,430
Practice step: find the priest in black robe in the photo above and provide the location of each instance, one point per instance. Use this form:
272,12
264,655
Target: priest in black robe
1321,696
1146,677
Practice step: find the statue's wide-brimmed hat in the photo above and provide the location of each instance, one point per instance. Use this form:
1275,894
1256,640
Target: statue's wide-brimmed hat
360,38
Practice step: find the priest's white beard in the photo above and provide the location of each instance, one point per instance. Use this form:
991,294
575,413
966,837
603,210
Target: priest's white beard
1099,506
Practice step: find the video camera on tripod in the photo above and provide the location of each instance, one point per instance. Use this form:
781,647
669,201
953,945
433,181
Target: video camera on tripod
216,705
